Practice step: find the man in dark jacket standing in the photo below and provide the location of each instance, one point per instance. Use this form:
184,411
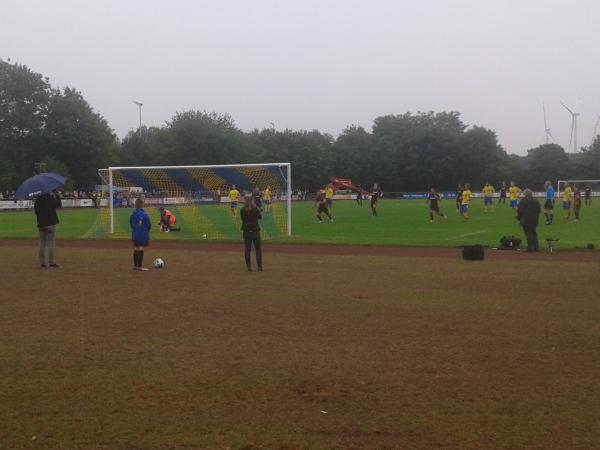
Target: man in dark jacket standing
250,215
528,213
45,210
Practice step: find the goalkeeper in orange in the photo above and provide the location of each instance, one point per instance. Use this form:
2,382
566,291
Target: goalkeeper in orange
168,221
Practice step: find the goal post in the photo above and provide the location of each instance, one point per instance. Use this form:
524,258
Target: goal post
582,184
198,196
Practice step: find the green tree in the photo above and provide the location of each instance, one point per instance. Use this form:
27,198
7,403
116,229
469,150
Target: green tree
78,137
146,147
24,105
200,137
352,156
546,162
482,158
39,123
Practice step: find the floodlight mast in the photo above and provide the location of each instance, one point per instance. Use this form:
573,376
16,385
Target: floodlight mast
139,105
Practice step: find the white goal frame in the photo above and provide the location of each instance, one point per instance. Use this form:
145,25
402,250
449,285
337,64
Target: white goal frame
287,165
559,182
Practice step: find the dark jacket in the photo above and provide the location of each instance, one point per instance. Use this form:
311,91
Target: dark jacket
528,212
45,209
250,217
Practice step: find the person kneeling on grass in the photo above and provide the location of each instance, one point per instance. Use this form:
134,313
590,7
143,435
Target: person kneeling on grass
167,221
250,216
140,233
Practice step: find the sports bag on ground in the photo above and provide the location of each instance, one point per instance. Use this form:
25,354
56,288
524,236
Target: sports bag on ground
473,252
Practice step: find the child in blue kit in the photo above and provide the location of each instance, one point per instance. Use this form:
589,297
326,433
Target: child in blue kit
140,233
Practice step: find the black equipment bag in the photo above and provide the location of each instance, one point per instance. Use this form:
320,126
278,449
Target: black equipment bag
473,252
510,243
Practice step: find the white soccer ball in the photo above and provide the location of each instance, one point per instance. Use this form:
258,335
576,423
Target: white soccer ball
158,263
204,236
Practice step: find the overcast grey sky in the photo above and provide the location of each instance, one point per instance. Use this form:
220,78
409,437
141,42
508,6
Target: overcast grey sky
320,64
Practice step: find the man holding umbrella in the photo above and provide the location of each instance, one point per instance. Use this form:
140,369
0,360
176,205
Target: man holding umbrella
45,210
41,187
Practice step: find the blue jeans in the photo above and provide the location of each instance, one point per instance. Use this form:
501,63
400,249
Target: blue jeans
47,240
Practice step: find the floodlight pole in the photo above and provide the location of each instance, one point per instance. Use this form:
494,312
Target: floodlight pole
139,105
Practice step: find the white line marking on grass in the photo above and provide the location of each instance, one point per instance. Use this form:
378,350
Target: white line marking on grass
464,235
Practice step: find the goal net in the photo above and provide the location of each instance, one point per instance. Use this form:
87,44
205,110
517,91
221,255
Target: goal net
591,186
198,197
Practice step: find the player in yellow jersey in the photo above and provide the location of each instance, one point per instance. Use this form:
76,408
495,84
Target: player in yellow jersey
488,197
234,198
267,197
566,196
513,194
329,196
465,201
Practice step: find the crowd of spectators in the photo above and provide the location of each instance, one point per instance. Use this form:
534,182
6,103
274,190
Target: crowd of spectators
10,195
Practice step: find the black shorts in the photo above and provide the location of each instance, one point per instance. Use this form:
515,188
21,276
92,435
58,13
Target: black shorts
434,207
549,205
322,208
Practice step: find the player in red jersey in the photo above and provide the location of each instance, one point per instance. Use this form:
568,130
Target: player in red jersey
376,194
323,208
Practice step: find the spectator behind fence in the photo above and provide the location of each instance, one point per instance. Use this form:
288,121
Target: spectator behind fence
528,214
45,210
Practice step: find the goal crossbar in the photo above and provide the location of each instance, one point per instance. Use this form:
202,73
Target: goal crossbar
560,182
208,166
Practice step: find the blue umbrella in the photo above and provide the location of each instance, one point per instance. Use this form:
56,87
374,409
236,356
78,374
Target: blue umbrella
39,184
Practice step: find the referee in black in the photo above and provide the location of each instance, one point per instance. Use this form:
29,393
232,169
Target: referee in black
250,216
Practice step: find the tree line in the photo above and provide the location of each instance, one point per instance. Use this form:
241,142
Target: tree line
405,152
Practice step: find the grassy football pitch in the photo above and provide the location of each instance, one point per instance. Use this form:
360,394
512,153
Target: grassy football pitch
371,351
401,222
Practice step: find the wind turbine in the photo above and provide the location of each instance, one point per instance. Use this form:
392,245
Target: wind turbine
595,133
574,117
546,129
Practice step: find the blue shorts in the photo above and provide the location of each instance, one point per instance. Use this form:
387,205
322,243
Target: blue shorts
233,205
566,205
464,208
141,243
513,203
329,202
487,200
